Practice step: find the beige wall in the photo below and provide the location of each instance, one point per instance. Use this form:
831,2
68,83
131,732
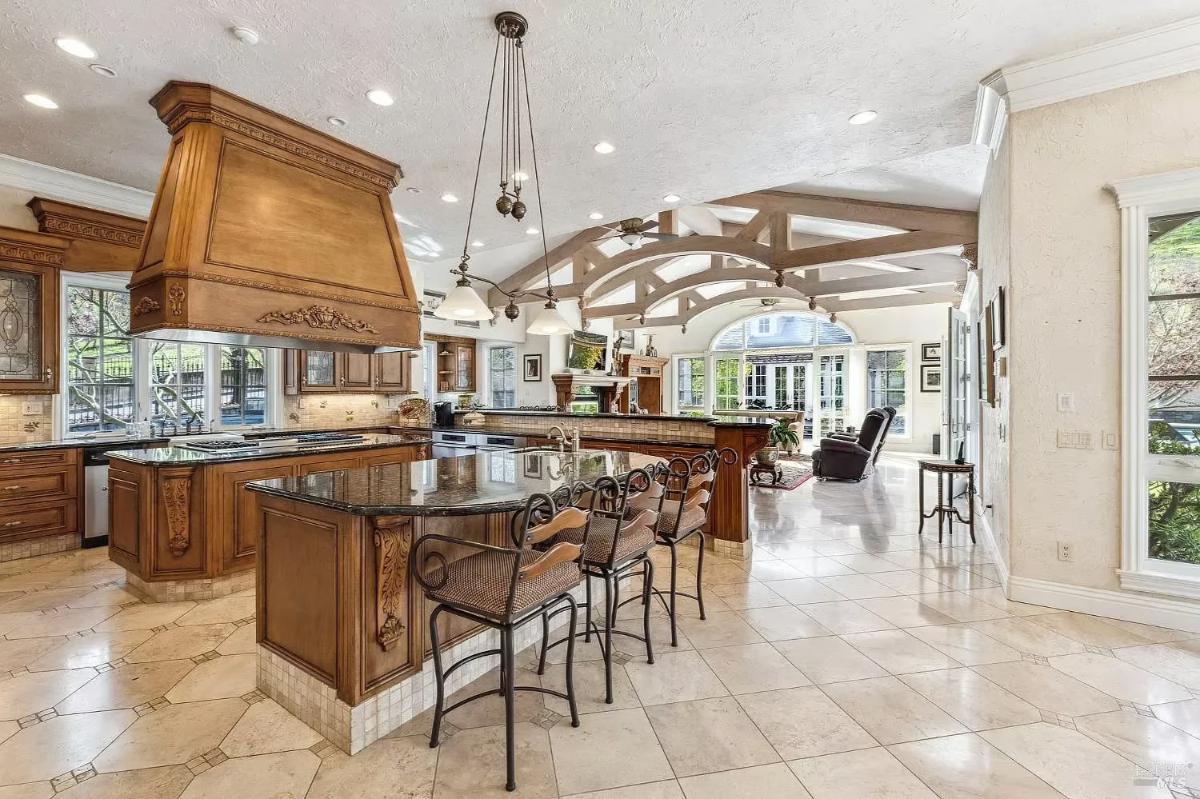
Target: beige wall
1064,310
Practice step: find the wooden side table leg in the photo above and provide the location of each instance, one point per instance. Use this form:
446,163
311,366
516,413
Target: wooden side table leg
971,503
921,497
941,508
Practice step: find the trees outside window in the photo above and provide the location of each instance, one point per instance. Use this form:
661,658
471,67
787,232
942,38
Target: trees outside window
690,384
502,376
887,384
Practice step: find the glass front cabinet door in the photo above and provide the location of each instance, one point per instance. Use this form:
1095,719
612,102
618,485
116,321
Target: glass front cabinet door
28,314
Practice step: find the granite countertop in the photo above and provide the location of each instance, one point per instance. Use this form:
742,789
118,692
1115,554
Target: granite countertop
179,456
557,414
741,421
494,431
76,443
487,482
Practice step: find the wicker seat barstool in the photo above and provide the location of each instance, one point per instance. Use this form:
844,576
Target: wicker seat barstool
617,546
503,588
688,486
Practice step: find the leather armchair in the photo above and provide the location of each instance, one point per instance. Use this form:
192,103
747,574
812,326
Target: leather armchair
840,459
891,415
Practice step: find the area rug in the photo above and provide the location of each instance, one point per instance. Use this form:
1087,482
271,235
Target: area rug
797,470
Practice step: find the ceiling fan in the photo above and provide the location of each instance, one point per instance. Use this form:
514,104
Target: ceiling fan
634,231
763,302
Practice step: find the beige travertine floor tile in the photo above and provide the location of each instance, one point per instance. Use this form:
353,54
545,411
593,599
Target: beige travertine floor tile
260,777
62,622
489,711
864,774
857,586
867,564
976,702
166,782
753,667
398,768
9,621
215,611
126,686
90,650
958,578
241,642
43,600
173,734
666,789
818,566
899,652
219,678
1158,635
996,596
1165,660
27,582
265,728
8,729
60,744
1184,715
904,611
909,582
146,616
30,790
961,607
968,767
16,655
826,660
740,596
674,677
803,722
1089,630
804,591
775,781
91,577
719,629
774,570
1152,744
783,623
1047,688
1026,636
113,595
716,570
891,711
589,688
608,750
966,645
1072,763
177,643
709,735
1120,679
37,691
843,618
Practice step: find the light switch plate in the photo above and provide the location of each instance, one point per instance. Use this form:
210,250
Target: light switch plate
31,408
1074,439
1066,403
1109,440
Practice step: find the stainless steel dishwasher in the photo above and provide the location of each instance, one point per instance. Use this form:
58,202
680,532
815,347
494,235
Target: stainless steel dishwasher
95,495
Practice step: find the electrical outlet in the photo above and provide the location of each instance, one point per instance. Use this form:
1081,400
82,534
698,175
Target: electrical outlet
31,409
1065,551
1109,440
1074,439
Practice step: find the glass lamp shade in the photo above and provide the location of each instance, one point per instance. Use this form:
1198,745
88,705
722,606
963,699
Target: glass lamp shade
462,304
548,322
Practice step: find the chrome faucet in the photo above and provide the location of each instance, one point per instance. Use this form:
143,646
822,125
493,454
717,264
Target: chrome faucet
562,437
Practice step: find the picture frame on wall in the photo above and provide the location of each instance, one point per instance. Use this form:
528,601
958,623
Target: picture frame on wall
996,313
430,301
531,370
931,378
987,357
931,352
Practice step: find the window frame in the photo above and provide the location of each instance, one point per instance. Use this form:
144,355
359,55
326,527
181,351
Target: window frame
704,406
1140,200
907,411
140,351
491,374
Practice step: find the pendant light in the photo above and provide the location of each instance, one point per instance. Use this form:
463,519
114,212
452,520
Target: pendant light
463,303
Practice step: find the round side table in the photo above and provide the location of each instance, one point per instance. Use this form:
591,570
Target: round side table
944,509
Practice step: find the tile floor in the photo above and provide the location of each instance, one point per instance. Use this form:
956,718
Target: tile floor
847,659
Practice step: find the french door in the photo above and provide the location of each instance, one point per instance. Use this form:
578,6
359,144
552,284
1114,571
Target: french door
956,385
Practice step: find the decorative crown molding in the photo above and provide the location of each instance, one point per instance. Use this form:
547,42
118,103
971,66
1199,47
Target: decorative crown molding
1183,184
44,180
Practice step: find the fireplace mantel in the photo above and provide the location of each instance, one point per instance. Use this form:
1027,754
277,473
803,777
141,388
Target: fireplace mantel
608,388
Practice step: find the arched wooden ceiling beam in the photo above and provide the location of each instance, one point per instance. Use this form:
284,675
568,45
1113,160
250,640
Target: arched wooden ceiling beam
673,289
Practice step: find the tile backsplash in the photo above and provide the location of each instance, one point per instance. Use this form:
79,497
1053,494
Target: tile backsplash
331,410
16,427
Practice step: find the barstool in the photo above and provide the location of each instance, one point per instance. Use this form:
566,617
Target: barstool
502,588
619,538
688,486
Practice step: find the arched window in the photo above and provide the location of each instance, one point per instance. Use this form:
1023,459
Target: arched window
783,329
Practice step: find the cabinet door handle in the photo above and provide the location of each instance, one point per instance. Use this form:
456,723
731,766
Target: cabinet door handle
13,488
11,460
12,524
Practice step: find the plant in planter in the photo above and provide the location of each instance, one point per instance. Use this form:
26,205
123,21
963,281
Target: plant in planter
784,436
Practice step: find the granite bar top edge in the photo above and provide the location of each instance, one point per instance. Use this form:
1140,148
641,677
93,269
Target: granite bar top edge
492,431
167,457
80,443
651,417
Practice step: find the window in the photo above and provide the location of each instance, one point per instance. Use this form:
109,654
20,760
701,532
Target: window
887,384
764,325
502,376
99,361
1161,319
728,390
689,384
756,385
782,330
113,379
833,393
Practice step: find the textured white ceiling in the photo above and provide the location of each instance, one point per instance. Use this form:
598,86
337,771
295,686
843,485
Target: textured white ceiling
704,98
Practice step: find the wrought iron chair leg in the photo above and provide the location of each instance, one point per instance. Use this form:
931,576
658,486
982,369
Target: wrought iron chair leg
437,677
587,620
674,564
610,596
546,641
647,583
510,731
571,663
699,574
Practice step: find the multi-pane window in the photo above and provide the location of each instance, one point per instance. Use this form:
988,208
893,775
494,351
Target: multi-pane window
727,389
1173,388
502,376
832,398
101,395
177,384
243,385
689,384
887,384
756,385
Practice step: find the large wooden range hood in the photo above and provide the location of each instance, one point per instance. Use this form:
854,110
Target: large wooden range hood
266,232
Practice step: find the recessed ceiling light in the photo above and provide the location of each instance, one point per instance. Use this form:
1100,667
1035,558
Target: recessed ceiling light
103,71
449,198
41,101
670,198
532,231
337,122
477,243
595,215
863,117
244,34
75,47
413,190
603,147
380,97
520,176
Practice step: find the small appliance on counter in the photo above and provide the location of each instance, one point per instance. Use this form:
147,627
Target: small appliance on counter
473,419
443,414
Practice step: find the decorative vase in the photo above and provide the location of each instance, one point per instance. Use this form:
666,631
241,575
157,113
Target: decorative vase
651,352
767,455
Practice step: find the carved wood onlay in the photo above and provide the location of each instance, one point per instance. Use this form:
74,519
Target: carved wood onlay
144,306
79,222
392,545
32,255
175,297
321,317
38,249
176,496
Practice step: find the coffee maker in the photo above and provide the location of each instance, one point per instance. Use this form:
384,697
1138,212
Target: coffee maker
443,414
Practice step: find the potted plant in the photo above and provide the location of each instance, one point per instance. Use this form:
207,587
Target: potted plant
782,435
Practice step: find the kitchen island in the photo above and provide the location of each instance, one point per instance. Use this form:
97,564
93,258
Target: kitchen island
342,623
181,523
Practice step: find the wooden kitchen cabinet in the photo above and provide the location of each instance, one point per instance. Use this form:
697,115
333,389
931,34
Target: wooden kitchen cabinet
355,372
456,359
39,494
316,372
29,264
393,372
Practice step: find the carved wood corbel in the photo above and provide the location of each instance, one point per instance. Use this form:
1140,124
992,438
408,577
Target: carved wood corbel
392,545
176,495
